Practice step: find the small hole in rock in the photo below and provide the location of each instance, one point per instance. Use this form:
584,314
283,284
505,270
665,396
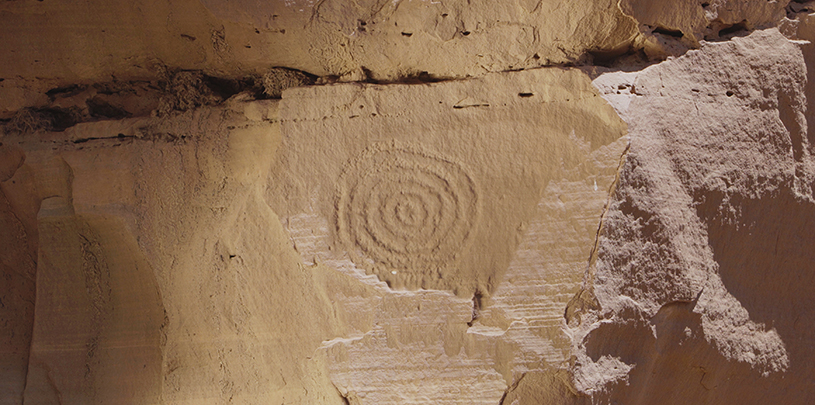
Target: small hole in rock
734,29
525,94
668,32
729,93
465,33
407,34
67,91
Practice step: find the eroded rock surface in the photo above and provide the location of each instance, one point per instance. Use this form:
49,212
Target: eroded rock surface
389,202
470,196
699,280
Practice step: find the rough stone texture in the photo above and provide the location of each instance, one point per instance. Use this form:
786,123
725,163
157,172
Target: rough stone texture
701,281
388,202
490,310
50,44
504,166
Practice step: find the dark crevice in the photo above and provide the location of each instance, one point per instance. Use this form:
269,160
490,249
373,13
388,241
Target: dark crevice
59,119
344,397
65,91
55,119
734,29
668,32
421,77
226,88
119,136
719,31
459,106
172,92
799,6
189,89
277,79
627,59
511,388
369,75
477,305
99,108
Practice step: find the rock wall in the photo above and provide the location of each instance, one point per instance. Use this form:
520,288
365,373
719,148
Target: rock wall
390,202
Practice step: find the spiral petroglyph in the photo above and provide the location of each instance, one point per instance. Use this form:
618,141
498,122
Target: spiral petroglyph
402,208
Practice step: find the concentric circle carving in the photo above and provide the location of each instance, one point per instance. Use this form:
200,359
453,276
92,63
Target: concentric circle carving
403,208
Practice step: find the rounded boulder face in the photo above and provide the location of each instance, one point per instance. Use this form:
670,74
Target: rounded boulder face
407,201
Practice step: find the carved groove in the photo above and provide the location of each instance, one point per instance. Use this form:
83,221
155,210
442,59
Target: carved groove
402,208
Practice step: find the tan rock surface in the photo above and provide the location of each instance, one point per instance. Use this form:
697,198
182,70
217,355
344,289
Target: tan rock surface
453,202
122,297
113,275
701,282
511,167
50,44
18,265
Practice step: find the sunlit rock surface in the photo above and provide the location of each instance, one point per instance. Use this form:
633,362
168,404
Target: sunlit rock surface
395,202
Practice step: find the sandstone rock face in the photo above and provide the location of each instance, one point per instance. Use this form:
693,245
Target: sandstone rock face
699,268
466,200
389,202
49,45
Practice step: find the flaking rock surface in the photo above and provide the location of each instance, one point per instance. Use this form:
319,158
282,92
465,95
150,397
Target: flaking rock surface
701,284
